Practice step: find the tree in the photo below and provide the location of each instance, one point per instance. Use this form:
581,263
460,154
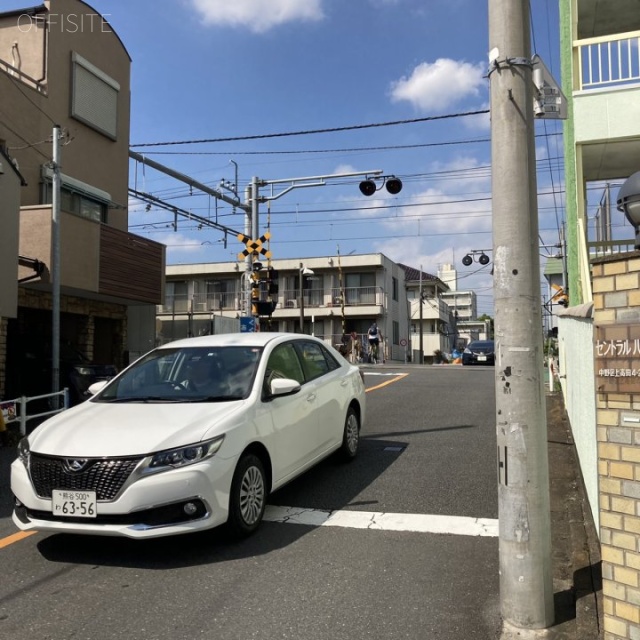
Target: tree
483,317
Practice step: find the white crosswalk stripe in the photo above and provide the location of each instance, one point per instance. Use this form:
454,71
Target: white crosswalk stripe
419,523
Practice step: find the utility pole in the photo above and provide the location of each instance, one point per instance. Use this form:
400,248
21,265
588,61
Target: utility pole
421,341
526,588
55,263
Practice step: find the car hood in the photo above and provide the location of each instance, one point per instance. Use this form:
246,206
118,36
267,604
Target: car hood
481,349
106,430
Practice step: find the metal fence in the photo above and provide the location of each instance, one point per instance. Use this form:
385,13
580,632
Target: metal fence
17,410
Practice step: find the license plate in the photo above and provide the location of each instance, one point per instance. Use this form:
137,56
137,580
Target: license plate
482,358
74,504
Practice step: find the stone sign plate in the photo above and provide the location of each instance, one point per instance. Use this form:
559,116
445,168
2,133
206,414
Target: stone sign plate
617,358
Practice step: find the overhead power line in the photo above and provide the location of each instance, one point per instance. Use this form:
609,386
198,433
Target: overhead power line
392,147
314,131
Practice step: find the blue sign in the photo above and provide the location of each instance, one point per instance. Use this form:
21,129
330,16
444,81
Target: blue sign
247,324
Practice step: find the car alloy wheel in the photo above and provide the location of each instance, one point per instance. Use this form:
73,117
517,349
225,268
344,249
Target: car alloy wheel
351,436
248,496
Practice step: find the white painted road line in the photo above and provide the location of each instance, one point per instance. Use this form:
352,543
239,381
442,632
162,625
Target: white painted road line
415,522
389,374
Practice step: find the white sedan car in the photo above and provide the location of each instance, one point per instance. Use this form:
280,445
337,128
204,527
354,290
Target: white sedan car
193,435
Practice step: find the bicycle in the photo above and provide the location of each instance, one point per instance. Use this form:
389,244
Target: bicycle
373,353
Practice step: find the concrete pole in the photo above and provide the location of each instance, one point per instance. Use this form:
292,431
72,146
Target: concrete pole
301,293
55,263
526,587
421,341
249,197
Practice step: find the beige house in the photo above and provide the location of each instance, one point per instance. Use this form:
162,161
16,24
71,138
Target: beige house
327,296
64,65
434,321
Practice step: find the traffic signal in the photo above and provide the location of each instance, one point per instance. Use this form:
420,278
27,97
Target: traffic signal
265,307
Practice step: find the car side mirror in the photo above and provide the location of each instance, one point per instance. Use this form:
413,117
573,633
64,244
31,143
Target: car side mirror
97,386
284,386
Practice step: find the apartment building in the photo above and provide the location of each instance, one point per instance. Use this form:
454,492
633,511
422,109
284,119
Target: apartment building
328,297
434,324
601,80
62,63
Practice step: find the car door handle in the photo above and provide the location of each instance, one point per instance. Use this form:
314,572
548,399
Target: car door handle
344,383
311,397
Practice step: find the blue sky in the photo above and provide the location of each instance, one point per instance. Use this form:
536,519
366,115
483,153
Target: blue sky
211,69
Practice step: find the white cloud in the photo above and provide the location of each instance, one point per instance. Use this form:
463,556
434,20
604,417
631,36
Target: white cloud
345,168
258,16
447,221
438,85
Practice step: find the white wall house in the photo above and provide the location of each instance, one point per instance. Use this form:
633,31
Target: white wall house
344,294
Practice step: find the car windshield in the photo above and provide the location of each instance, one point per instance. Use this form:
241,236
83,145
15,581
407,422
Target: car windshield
482,344
191,374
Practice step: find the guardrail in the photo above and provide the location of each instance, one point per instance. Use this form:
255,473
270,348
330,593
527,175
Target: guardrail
16,410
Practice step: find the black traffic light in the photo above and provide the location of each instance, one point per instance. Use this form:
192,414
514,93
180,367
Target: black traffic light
368,187
265,307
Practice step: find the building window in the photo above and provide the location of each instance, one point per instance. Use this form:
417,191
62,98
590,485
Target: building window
94,97
176,300
79,204
360,288
394,285
395,327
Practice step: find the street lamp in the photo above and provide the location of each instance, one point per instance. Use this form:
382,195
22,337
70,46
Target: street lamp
304,271
629,203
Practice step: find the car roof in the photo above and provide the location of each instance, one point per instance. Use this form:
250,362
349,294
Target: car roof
249,339
482,342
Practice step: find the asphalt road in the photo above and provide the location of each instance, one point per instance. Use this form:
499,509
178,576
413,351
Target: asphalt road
428,448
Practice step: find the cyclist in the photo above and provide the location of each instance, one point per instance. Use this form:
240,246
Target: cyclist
374,341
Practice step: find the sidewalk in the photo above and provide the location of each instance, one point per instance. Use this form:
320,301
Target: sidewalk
577,579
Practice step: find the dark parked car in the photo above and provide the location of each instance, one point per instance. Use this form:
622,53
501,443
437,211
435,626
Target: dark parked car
479,352
77,372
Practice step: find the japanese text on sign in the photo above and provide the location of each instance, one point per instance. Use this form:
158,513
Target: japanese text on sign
617,358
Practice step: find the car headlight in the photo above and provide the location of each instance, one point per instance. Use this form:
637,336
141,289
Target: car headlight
24,451
174,458
83,371
467,351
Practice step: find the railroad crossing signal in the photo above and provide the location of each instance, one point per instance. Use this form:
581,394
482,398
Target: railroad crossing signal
254,247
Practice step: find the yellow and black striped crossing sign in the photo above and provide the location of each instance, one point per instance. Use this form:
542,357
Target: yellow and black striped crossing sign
254,247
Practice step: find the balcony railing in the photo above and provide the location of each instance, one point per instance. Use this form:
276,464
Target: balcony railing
609,62
201,303
602,248
353,296
288,299
20,75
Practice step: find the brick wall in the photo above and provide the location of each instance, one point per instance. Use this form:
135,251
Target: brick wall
616,290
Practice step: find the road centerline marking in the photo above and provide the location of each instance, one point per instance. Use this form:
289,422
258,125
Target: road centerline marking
16,537
397,377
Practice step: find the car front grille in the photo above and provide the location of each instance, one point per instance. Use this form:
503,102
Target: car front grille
104,476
